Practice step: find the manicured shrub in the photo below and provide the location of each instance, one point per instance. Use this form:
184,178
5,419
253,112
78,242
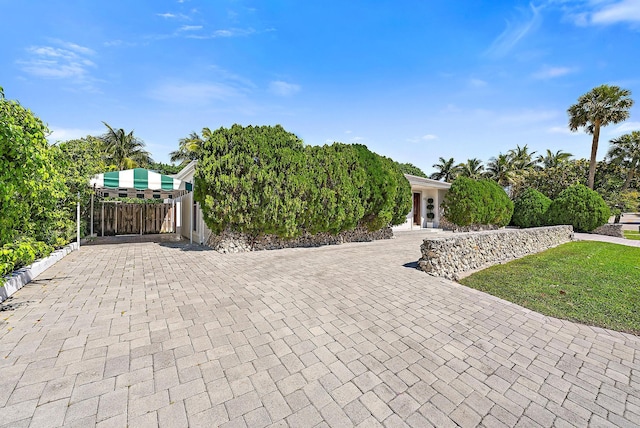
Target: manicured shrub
530,209
262,180
579,206
21,253
471,201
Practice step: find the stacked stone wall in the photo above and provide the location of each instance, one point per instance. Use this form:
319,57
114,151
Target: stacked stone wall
233,242
450,256
610,230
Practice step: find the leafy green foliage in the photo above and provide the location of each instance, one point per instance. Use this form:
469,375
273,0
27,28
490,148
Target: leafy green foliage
530,209
262,180
79,160
471,201
579,206
31,186
589,282
21,253
411,169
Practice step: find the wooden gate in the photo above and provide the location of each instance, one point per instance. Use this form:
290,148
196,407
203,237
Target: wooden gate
130,219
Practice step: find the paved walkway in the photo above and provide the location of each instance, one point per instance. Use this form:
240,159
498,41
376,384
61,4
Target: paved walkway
150,334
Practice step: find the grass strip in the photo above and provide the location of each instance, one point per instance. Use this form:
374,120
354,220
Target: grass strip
589,282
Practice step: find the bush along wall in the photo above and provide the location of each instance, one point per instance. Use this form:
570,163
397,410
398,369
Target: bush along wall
579,206
477,202
263,181
530,209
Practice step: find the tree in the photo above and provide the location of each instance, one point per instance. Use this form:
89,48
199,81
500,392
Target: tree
599,107
520,158
124,150
552,160
579,206
411,169
500,170
473,168
471,201
625,151
447,170
188,149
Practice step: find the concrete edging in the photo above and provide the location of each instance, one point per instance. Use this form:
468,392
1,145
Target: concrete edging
18,279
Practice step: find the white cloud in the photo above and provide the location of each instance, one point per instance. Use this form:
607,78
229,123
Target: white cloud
552,72
621,11
477,83
65,134
196,93
190,28
625,127
65,61
283,89
564,130
428,137
514,32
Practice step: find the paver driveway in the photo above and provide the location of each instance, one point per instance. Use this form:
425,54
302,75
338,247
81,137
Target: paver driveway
146,334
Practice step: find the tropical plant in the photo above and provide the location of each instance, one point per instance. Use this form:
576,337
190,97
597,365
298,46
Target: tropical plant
552,160
625,151
124,150
188,149
530,209
471,201
447,170
553,180
499,169
579,206
31,187
521,159
472,168
599,107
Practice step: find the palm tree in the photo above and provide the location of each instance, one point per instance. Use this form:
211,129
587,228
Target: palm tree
551,160
187,150
124,150
473,168
599,107
625,151
447,170
500,170
520,158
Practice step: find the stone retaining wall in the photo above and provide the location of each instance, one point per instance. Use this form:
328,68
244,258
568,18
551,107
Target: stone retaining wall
610,230
449,256
233,242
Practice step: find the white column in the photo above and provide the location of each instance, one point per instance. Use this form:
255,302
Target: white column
191,219
92,212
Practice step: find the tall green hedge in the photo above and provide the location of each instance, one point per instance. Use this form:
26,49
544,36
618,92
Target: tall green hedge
471,201
579,206
263,180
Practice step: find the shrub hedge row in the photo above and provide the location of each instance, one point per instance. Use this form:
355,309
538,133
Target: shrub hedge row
263,180
471,201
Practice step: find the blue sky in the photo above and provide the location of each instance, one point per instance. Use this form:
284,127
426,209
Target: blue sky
413,80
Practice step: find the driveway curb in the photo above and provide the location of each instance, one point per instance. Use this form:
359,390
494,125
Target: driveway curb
23,276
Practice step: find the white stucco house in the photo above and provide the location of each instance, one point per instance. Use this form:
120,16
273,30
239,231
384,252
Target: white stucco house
427,195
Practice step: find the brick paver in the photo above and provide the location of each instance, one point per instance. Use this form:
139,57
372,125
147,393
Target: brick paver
150,334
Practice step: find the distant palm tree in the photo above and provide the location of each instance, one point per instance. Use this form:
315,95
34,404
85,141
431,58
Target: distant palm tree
188,149
473,168
599,107
500,170
552,160
124,150
447,170
520,158
625,151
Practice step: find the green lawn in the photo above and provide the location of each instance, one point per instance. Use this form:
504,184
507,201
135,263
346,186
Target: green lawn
593,283
631,234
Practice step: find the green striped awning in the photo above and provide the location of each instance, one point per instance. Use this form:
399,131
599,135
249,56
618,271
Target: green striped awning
139,179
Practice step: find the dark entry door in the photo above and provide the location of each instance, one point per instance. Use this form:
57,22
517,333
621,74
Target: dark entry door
416,209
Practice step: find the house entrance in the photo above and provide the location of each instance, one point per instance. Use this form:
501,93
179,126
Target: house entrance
416,209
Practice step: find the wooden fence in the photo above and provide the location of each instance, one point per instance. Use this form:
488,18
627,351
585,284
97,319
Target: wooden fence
128,219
